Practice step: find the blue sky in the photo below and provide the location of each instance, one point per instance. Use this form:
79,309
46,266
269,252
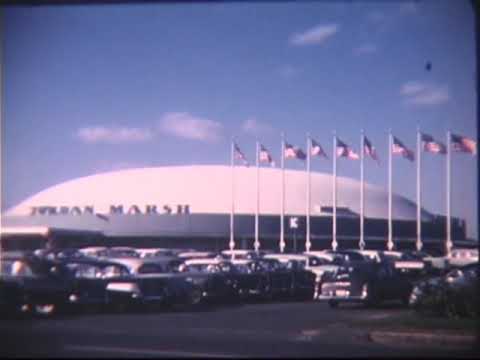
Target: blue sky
89,89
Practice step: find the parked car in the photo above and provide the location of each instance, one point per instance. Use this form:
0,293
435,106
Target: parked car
217,278
453,294
461,257
365,281
269,279
123,283
155,281
300,264
32,285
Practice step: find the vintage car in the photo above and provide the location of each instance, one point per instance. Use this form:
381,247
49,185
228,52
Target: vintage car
269,279
461,257
154,281
317,265
32,285
217,277
366,281
123,283
454,294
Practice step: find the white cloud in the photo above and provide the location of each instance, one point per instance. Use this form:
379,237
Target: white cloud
113,135
365,49
412,87
255,127
315,35
433,96
185,125
419,93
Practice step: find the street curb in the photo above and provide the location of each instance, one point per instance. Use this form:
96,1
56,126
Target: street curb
428,339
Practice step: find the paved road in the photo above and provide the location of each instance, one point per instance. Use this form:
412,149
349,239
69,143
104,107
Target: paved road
260,330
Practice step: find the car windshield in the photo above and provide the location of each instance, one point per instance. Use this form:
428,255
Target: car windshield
315,261
85,270
122,253
295,264
247,268
271,264
203,268
150,269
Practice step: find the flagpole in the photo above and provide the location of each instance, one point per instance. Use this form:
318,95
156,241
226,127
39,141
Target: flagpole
419,189
232,166
308,244
390,229
282,240
362,191
448,244
257,243
334,195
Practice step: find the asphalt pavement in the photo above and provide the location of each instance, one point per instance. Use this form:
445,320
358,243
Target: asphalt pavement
288,329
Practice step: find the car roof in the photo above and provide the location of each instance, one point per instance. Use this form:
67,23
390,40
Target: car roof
92,248
238,251
136,263
288,256
204,261
89,261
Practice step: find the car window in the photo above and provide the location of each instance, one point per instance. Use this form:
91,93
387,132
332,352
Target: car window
114,271
150,269
225,267
244,268
85,271
314,261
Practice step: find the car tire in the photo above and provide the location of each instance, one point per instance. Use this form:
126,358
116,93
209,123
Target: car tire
333,304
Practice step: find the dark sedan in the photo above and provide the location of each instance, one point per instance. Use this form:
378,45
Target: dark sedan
31,284
366,281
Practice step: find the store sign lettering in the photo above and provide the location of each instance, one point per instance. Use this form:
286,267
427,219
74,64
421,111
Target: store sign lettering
113,210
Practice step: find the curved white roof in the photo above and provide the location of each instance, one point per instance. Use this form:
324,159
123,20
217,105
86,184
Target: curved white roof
207,190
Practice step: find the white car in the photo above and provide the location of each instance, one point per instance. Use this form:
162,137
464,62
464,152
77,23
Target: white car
461,257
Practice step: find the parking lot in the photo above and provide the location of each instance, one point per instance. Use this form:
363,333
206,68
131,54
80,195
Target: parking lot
279,329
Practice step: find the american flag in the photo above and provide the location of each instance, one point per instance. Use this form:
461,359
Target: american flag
463,144
265,156
239,155
316,150
370,150
292,152
429,144
343,150
399,149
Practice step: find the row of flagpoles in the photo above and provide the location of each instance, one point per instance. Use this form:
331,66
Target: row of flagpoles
425,143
